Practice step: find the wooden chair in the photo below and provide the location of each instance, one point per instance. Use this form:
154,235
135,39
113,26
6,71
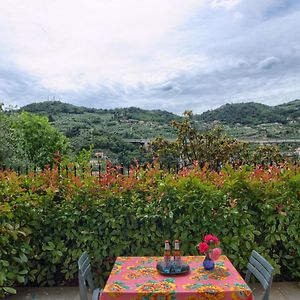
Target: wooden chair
262,270
85,277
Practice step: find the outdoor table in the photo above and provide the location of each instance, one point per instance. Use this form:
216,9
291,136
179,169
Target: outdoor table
136,278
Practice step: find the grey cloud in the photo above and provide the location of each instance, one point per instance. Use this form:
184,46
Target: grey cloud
268,63
241,63
240,81
234,83
239,55
281,7
166,86
19,88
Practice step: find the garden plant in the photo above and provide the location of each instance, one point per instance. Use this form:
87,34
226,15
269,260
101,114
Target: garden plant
48,219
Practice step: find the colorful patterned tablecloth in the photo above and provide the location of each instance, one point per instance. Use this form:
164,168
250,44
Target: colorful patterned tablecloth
136,278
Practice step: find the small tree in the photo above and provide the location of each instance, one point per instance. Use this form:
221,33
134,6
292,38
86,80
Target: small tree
267,155
12,153
41,140
213,147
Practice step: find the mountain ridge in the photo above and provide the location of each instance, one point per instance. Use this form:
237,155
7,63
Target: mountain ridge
110,129
252,113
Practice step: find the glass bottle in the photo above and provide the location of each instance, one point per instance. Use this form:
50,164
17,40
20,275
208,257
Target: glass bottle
167,257
177,257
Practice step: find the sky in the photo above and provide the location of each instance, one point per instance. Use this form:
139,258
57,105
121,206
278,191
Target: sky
173,55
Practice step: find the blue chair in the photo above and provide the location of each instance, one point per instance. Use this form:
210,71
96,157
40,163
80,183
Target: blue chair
262,270
85,277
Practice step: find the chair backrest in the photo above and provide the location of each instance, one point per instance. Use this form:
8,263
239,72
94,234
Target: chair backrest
84,275
262,270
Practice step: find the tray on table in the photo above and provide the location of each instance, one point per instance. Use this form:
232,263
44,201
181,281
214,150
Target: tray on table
184,268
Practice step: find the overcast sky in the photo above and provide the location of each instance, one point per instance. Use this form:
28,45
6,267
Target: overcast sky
155,54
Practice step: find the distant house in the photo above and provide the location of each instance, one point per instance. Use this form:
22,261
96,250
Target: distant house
298,151
99,155
131,121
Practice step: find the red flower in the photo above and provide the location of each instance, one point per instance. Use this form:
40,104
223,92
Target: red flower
208,246
211,238
203,247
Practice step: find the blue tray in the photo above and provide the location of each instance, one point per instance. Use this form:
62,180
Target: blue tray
185,268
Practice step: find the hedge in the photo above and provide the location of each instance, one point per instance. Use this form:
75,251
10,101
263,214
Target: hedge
47,220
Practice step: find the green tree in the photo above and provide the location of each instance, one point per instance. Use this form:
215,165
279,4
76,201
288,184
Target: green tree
213,147
41,140
266,155
12,153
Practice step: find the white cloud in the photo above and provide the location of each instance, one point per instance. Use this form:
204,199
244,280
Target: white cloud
72,45
238,16
176,55
227,4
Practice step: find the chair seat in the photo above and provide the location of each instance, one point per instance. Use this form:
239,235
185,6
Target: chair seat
96,294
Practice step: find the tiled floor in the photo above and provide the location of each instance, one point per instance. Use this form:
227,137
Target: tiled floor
280,291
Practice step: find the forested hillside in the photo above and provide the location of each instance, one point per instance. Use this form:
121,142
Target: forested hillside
109,129
253,113
106,129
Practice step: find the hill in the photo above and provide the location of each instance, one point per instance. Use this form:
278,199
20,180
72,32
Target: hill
290,110
108,129
252,113
56,107
130,113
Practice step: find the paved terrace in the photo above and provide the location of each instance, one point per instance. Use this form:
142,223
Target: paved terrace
280,291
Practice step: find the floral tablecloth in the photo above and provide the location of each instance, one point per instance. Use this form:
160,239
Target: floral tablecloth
136,278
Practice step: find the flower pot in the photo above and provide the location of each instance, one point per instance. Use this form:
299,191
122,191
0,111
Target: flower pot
208,264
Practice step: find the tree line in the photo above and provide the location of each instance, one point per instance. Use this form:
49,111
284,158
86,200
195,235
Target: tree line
29,140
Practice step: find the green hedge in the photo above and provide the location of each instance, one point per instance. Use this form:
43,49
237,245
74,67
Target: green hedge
48,220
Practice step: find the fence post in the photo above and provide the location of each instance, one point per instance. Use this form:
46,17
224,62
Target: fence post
128,169
75,171
99,170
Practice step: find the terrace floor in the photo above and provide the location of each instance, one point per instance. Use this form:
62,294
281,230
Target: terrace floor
280,291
